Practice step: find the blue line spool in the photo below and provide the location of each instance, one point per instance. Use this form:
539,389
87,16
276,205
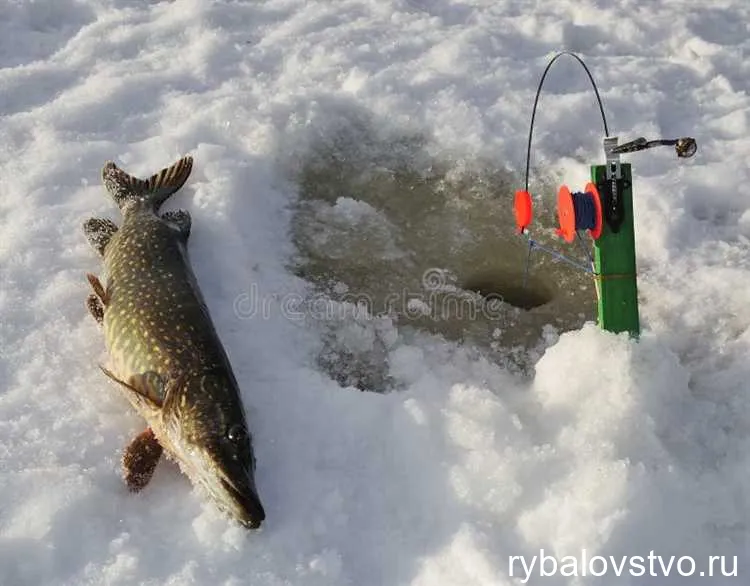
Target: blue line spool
585,211
579,211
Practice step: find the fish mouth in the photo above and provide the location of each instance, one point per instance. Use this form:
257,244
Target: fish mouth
246,506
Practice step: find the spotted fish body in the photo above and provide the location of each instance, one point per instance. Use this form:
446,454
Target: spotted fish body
164,350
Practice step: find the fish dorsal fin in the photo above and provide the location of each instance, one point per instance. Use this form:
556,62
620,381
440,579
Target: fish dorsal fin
181,221
154,191
149,385
99,232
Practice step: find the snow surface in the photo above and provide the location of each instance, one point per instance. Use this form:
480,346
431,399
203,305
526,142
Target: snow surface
614,446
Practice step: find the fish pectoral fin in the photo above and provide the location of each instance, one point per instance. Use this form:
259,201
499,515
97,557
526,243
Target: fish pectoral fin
139,460
181,221
96,308
148,385
99,232
98,288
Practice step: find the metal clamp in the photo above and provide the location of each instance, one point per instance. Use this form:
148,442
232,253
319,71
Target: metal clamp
685,147
612,187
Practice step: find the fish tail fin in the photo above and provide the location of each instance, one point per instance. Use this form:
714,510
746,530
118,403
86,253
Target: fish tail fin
154,191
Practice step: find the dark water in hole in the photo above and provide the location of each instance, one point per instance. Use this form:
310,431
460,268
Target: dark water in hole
429,243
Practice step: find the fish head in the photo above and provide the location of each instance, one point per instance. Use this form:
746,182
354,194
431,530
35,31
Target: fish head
208,434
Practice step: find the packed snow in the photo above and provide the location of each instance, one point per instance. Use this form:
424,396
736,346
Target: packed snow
609,444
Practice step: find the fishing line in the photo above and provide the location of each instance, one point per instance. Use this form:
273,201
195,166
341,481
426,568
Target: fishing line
586,251
585,210
559,256
536,101
576,211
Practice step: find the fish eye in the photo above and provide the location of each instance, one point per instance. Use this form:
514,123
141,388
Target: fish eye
236,433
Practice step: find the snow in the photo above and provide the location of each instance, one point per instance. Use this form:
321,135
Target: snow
610,445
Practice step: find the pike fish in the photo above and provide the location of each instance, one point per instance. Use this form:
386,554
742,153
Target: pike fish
163,348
